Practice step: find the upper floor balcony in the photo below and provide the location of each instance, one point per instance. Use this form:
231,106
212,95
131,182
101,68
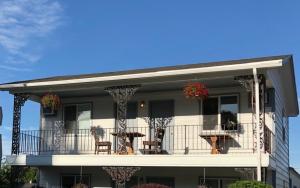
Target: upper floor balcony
120,114
170,140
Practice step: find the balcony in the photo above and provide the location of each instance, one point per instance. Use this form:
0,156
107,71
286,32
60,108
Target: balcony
177,139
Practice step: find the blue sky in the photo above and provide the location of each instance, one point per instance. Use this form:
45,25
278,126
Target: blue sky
40,38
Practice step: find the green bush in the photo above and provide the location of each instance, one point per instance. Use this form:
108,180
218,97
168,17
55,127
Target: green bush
249,184
25,175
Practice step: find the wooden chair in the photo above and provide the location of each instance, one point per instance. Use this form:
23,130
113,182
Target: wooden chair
100,146
155,146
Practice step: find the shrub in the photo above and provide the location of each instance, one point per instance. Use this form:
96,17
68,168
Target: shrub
249,184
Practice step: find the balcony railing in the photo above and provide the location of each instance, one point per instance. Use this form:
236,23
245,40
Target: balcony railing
177,139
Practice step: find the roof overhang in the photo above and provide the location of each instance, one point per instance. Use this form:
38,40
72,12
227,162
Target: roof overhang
282,66
284,78
145,75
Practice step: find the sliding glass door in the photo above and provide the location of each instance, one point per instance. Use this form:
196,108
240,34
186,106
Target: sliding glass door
77,116
77,121
220,112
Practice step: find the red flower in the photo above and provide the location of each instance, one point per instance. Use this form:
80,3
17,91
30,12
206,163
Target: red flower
195,90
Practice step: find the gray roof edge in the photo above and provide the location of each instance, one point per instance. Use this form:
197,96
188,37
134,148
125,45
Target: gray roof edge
294,170
291,61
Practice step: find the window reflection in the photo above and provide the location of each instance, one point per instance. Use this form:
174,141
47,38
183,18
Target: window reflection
222,110
229,111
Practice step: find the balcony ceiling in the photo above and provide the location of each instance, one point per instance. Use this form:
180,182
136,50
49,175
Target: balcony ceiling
148,85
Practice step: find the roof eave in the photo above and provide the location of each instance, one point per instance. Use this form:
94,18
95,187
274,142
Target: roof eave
209,69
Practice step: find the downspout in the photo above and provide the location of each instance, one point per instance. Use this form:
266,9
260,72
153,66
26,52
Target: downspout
257,107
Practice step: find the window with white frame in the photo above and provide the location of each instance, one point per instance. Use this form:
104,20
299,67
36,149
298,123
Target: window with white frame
220,112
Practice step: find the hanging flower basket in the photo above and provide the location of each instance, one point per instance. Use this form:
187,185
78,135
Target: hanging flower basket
50,104
195,90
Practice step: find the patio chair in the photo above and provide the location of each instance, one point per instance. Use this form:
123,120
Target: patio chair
155,146
100,146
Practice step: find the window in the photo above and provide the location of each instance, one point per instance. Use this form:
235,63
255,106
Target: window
222,110
284,123
136,181
71,180
131,114
283,133
77,116
210,113
211,183
229,111
217,182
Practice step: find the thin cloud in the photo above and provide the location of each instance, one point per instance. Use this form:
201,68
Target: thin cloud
22,21
11,68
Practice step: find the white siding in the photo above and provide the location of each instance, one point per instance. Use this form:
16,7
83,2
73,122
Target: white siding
282,147
187,112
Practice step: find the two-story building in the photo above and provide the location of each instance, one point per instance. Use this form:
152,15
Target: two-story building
180,126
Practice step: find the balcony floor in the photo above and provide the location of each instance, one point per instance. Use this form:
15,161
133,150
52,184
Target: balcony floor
209,160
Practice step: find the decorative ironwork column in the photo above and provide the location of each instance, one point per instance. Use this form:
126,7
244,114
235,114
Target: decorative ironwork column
247,81
19,100
262,89
57,144
121,95
121,174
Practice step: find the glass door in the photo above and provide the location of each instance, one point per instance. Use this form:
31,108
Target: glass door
77,120
162,114
210,113
220,113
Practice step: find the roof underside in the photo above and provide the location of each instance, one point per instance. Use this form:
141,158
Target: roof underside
214,74
149,70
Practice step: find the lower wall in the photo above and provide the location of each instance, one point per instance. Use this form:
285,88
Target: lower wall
50,177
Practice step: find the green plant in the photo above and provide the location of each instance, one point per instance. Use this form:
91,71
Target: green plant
29,175
249,184
25,175
5,176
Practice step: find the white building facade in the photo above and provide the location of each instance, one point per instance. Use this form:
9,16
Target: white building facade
140,125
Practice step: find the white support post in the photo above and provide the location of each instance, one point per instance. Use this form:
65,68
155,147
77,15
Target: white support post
258,144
